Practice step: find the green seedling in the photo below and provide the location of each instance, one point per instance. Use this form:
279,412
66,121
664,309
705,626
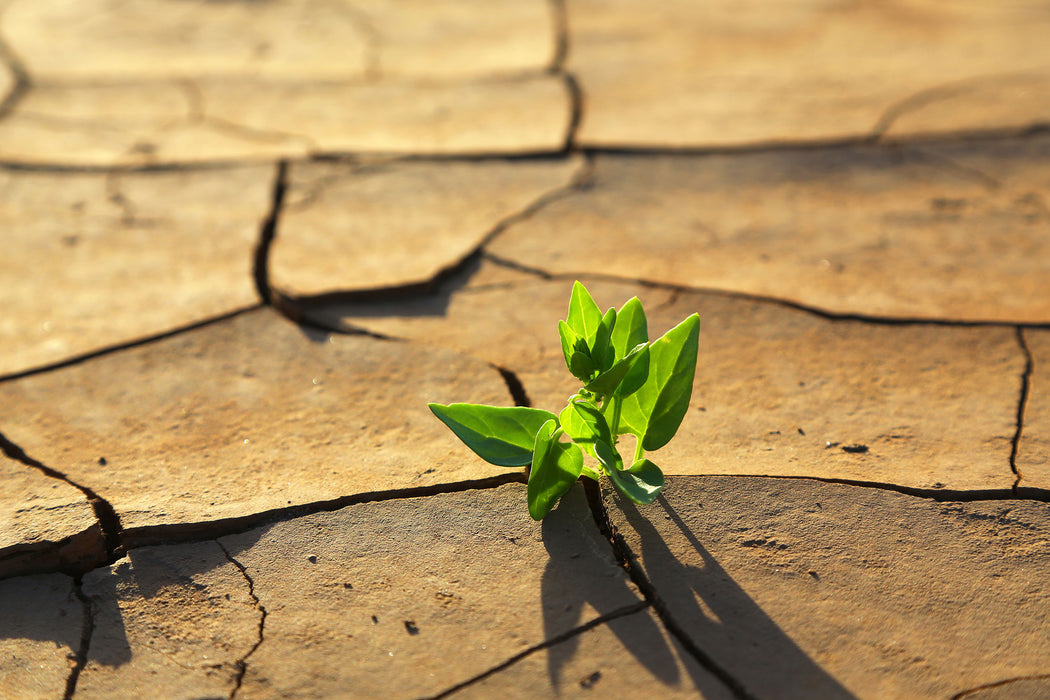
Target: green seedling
630,386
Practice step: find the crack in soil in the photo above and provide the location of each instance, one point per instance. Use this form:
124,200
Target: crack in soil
18,72
242,663
267,233
560,26
575,111
298,308
998,684
558,639
108,521
86,633
1022,403
945,163
514,386
148,535
137,342
939,495
784,303
628,560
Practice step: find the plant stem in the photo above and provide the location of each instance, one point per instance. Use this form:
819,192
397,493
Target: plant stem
614,424
639,452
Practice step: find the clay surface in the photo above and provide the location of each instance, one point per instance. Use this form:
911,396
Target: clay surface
803,589
945,232
729,74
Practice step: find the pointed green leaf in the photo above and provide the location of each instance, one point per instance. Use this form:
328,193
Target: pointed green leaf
569,339
502,435
584,423
584,317
581,366
556,466
609,381
631,328
641,483
655,411
602,350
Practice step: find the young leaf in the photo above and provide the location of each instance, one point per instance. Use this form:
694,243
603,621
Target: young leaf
556,466
569,339
610,380
584,423
602,351
655,411
502,435
641,483
630,331
584,317
631,328
581,366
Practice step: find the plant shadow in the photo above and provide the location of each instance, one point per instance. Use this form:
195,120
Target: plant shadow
721,619
581,573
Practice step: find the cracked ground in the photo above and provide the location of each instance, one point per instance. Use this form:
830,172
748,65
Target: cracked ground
247,242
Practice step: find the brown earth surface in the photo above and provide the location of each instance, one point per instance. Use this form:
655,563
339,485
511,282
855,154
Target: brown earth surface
247,242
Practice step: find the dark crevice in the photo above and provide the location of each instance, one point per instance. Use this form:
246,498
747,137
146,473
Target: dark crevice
108,521
21,76
147,340
514,386
545,644
261,267
560,21
516,266
999,684
86,632
628,560
784,303
940,495
1022,403
575,110
915,101
303,309
242,664
944,162
173,533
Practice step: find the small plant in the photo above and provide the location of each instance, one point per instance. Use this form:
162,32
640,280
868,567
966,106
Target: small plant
630,386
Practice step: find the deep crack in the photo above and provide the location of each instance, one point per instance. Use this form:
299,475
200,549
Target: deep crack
267,233
118,347
108,521
998,684
764,299
21,76
145,536
1022,403
86,633
242,663
514,386
545,644
560,25
299,308
628,560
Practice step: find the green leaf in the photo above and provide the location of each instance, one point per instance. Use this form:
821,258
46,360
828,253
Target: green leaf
581,366
655,411
631,328
556,466
502,435
641,483
602,351
584,423
569,340
584,317
630,331
610,380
